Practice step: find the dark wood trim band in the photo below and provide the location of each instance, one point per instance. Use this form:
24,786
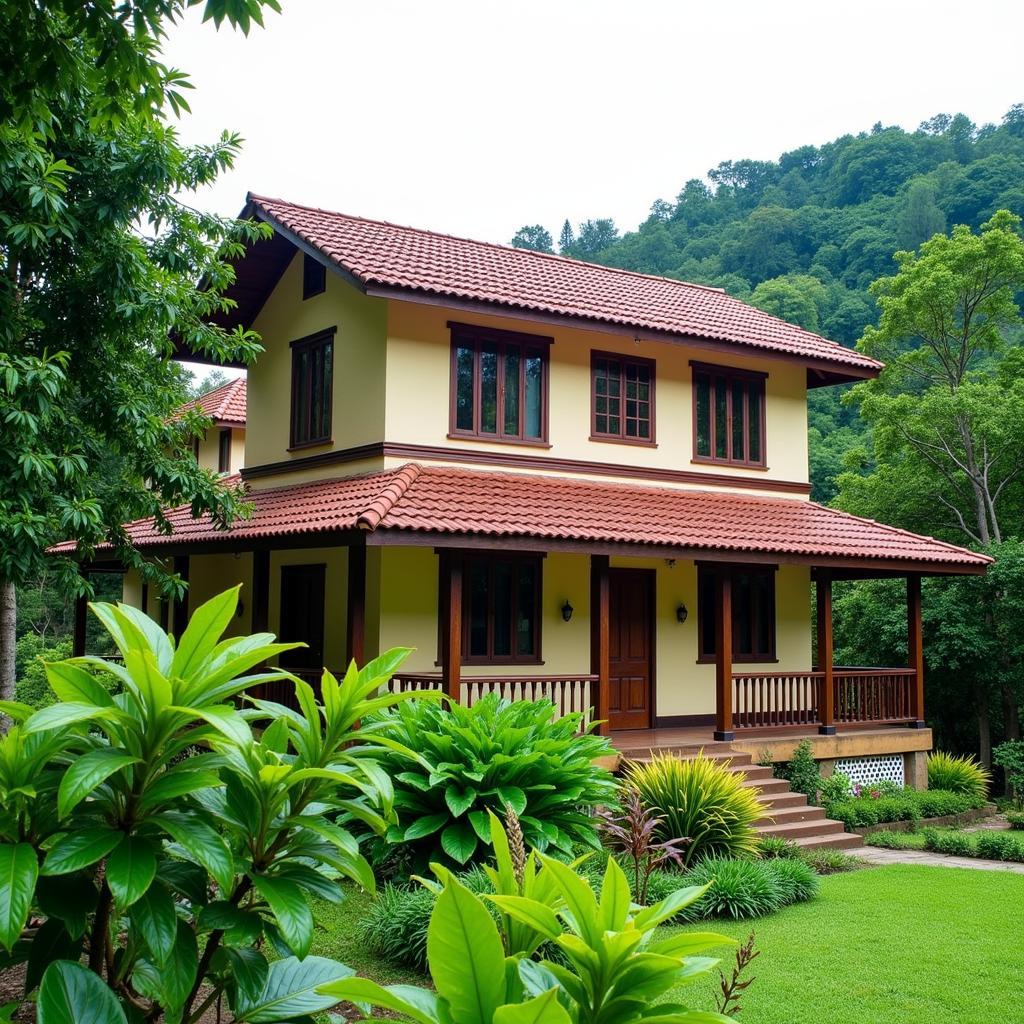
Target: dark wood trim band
682,721
519,460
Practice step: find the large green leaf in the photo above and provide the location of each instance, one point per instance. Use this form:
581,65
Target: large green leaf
458,799
202,843
51,942
425,826
288,904
205,627
75,685
19,869
418,1004
131,867
467,961
86,774
459,841
171,983
176,782
248,971
59,716
80,849
154,915
542,1009
72,994
292,990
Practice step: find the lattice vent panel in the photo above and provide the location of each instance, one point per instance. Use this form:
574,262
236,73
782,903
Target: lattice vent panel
865,770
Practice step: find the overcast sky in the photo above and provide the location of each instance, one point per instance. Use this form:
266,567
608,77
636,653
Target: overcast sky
476,118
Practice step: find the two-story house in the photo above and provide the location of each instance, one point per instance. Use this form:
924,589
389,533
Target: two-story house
550,478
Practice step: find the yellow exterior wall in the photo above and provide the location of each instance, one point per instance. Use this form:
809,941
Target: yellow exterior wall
209,450
418,386
209,575
359,354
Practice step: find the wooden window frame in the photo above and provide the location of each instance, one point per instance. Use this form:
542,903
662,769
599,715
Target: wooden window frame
622,437
322,338
224,450
731,375
466,559
705,657
314,277
474,336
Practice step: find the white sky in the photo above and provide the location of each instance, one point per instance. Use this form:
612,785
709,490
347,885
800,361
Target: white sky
476,118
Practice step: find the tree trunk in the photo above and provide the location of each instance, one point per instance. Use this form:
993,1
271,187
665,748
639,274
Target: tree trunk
8,635
1011,713
984,726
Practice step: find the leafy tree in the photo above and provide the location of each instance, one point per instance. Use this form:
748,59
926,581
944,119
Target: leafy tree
89,303
920,217
566,239
795,298
213,380
595,236
533,236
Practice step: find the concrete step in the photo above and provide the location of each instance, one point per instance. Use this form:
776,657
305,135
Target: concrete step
799,829
777,816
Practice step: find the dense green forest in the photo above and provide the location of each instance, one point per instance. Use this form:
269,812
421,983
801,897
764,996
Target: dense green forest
804,236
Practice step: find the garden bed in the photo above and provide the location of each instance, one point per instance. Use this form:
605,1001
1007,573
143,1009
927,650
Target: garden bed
964,818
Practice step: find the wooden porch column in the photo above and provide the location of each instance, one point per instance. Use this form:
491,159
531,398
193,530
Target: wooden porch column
600,639
915,649
260,600
355,626
827,705
451,627
180,617
723,656
81,616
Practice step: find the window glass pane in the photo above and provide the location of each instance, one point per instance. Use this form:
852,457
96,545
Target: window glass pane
488,390
534,371
702,385
512,391
300,396
763,586
721,423
502,599
754,393
742,622
526,615
478,572
464,388
738,438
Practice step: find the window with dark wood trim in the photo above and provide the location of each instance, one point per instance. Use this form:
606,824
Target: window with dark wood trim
224,451
728,416
621,398
314,277
312,386
499,385
753,613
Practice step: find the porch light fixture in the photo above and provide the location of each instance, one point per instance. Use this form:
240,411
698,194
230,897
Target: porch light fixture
681,613
567,611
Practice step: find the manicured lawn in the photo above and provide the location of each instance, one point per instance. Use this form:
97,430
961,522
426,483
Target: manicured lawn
891,945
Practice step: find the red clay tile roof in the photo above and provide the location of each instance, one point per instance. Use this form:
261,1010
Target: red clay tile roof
224,405
442,500
385,255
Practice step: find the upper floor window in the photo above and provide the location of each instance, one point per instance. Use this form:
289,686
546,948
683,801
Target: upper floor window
314,277
753,613
499,386
728,415
224,451
622,398
312,374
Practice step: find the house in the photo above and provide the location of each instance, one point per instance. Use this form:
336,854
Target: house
554,479
222,448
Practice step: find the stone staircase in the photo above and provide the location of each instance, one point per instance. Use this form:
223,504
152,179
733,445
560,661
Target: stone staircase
786,814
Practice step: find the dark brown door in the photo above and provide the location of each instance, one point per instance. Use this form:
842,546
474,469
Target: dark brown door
302,617
631,607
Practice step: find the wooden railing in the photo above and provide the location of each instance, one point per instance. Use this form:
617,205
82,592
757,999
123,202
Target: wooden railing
765,700
875,694
568,693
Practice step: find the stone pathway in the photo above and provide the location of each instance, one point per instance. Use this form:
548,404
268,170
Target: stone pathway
876,855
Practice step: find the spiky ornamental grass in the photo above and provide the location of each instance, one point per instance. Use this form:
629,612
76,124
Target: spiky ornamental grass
958,774
490,756
702,801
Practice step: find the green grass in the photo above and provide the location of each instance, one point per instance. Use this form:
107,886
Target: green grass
914,945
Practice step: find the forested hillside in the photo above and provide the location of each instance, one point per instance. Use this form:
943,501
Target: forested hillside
804,236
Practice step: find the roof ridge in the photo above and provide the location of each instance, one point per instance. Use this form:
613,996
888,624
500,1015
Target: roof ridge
499,245
392,492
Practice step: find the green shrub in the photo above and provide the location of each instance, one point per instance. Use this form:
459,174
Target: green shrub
802,772
830,862
394,926
701,800
471,760
30,651
896,840
902,805
774,846
995,845
739,889
1010,757
958,774
795,880
1015,819
951,842
836,787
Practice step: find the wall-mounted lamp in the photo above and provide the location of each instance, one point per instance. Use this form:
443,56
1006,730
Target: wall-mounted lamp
670,562
681,613
567,611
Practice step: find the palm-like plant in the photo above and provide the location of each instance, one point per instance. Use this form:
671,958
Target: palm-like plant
958,774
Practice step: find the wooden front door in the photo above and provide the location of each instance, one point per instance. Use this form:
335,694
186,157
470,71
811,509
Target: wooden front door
631,611
302,617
